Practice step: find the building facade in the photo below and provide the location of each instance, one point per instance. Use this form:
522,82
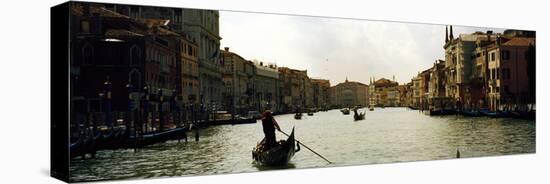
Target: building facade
296,92
321,96
202,26
238,79
349,94
508,73
266,86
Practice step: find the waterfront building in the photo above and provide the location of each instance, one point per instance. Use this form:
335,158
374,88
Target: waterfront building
509,60
295,94
424,82
202,26
321,96
405,95
480,75
189,68
459,64
416,93
436,86
266,87
121,60
386,92
349,94
238,79
372,95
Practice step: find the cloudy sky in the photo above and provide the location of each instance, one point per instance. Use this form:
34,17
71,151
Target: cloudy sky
333,48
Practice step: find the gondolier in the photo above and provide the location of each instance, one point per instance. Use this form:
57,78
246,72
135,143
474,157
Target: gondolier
269,126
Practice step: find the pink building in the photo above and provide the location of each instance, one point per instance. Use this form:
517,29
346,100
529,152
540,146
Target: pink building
508,75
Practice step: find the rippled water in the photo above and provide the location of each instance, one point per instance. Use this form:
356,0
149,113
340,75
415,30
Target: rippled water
386,135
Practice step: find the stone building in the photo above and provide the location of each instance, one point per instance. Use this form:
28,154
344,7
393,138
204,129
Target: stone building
508,73
238,79
480,75
189,72
386,92
416,91
459,65
436,87
266,87
321,96
120,61
349,94
202,26
296,93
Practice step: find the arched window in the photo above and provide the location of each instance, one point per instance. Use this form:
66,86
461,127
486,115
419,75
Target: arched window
87,53
135,55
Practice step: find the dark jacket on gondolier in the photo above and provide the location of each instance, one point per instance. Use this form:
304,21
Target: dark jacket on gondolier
269,126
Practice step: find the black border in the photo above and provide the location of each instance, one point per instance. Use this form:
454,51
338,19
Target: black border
59,94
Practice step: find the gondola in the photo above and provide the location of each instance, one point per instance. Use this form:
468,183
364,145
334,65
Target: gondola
276,156
360,116
470,113
488,113
298,116
345,111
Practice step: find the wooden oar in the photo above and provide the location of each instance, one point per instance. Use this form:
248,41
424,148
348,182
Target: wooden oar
307,147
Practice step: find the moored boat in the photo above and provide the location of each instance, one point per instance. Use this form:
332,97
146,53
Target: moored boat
278,155
471,113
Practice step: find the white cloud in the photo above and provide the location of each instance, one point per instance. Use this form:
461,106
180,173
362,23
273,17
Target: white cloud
334,48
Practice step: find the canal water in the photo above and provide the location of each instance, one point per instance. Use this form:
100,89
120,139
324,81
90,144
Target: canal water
386,135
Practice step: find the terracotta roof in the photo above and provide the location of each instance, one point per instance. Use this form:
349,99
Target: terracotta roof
383,82
519,41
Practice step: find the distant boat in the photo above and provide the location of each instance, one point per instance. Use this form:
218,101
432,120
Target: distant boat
360,116
310,113
298,116
371,108
345,111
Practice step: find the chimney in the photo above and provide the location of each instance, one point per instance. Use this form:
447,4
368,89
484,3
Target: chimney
226,49
451,33
446,34
489,35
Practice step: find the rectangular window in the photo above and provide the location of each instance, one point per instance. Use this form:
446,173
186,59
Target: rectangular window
492,56
505,55
84,26
506,90
498,73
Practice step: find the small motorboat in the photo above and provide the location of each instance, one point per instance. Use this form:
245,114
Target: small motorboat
310,113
